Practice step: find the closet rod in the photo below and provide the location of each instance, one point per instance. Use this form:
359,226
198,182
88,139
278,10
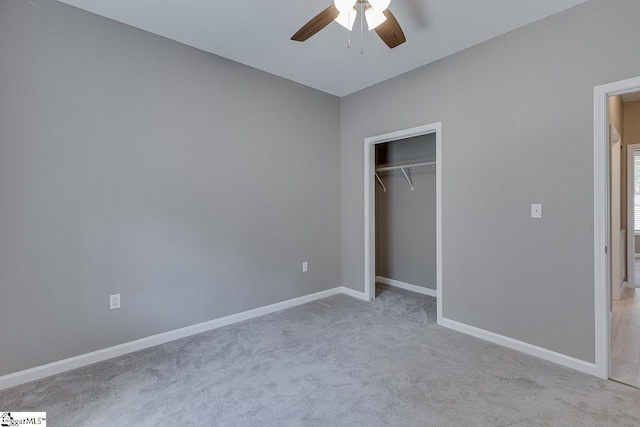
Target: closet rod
405,166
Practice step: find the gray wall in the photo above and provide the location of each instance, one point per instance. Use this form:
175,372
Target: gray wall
405,219
517,128
192,185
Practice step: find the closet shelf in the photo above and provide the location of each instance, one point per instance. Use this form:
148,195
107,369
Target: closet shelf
402,168
405,166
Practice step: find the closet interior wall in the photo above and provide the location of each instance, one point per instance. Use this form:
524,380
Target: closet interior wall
406,219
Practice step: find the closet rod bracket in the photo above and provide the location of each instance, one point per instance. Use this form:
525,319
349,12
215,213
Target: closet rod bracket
381,183
407,178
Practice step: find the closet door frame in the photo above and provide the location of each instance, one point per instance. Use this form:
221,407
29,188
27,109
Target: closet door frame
370,203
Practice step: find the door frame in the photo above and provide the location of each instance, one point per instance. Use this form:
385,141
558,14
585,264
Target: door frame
631,234
602,242
370,204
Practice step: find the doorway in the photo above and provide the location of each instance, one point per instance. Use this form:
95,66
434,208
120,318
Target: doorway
625,307
613,270
633,213
369,205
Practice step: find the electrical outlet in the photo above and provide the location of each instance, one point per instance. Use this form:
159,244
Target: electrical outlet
114,301
305,266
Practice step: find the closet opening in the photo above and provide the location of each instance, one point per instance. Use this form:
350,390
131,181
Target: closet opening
403,211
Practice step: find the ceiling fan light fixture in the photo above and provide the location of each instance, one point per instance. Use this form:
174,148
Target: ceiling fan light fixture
374,18
344,6
379,5
347,19
345,12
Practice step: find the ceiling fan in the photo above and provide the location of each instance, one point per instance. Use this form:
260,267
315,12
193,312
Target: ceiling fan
345,12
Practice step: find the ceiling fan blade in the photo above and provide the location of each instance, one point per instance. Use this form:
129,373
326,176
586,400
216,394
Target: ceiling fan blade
321,20
390,31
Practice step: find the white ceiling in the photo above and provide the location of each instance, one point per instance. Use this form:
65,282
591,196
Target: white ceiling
257,33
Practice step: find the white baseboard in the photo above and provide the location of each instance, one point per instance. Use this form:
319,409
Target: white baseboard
530,349
53,368
407,286
352,293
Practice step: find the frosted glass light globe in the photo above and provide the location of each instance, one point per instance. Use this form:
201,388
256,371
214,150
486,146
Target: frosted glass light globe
374,18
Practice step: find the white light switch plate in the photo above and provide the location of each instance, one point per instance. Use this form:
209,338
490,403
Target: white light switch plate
305,267
536,210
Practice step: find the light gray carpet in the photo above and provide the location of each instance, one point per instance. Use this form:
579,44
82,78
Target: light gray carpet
337,361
